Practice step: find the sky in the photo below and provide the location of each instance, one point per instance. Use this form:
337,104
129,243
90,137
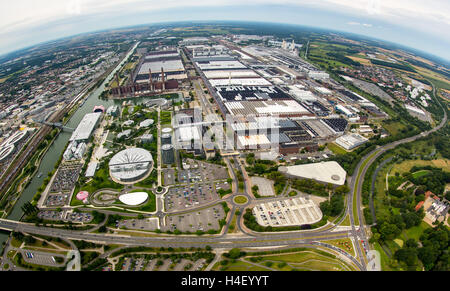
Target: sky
419,24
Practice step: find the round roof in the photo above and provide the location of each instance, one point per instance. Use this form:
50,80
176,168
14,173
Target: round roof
335,177
130,164
133,199
83,195
166,130
167,147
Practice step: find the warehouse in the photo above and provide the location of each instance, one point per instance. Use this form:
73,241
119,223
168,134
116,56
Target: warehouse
233,74
324,172
220,65
86,127
169,61
240,82
280,108
351,141
248,93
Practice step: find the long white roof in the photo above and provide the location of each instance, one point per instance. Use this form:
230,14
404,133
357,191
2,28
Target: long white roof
86,126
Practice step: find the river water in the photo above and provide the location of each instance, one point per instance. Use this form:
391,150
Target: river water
53,154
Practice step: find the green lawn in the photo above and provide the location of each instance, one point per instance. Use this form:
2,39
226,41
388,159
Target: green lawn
416,231
241,200
307,260
419,174
240,266
336,149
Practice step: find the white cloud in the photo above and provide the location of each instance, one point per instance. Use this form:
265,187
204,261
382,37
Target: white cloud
430,17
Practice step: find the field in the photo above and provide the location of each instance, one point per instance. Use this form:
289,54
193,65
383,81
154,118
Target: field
336,149
393,127
308,260
419,174
345,244
415,232
407,165
360,60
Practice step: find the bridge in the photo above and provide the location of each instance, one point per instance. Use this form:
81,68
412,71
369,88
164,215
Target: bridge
56,124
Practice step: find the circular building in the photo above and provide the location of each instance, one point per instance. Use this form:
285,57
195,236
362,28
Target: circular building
166,138
147,123
134,199
83,196
166,130
168,154
130,165
99,109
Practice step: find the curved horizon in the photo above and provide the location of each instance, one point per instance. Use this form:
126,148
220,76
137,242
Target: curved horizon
366,21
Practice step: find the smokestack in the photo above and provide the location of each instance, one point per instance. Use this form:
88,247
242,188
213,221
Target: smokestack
150,80
118,84
163,79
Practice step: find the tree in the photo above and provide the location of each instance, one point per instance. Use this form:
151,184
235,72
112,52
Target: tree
234,253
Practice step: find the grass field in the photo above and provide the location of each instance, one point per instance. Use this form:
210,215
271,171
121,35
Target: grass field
393,127
407,165
306,260
415,232
240,266
419,174
336,149
345,244
241,200
346,221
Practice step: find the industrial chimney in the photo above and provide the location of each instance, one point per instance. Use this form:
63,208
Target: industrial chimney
150,79
163,79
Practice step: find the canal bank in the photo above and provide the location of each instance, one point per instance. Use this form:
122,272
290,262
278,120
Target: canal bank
53,154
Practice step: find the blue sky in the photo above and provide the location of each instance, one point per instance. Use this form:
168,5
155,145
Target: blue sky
423,25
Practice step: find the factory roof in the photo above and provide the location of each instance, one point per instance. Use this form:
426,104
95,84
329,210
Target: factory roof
325,172
168,66
220,65
267,107
223,74
253,140
188,133
351,141
240,82
86,126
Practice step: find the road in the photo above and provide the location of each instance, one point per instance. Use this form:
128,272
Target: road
358,178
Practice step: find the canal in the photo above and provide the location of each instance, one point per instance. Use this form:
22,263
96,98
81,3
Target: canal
53,154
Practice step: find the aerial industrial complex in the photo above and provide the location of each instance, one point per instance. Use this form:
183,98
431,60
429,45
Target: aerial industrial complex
188,148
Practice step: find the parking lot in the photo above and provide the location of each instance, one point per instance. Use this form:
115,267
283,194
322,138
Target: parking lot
79,217
50,215
203,220
198,171
141,264
169,177
150,224
288,212
265,186
41,258
57,199
66,177
189,196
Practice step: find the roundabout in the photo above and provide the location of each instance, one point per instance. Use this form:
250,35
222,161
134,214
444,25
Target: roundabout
240,200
